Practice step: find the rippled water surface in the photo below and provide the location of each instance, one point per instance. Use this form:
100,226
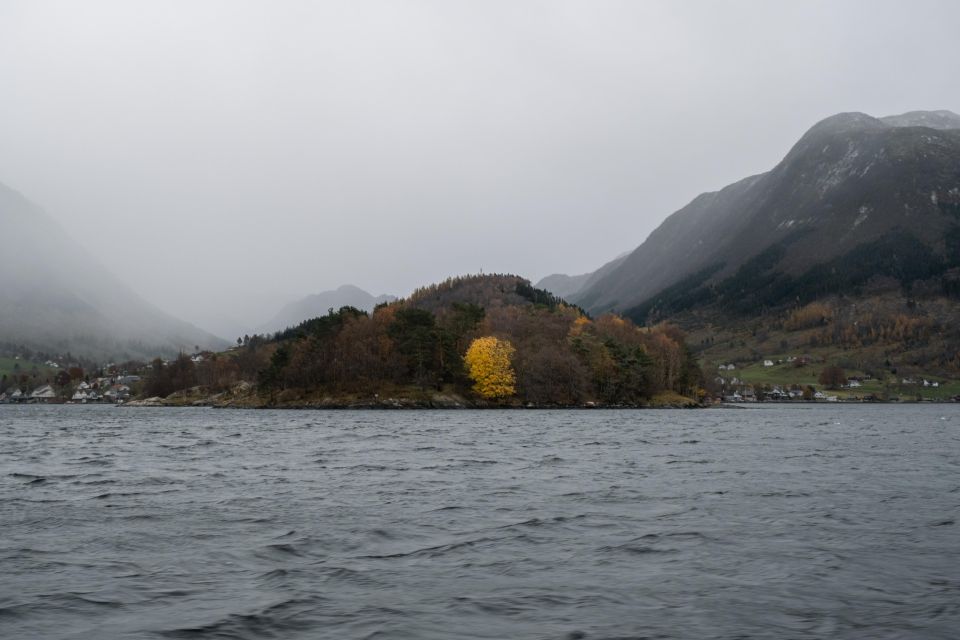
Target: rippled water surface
768,522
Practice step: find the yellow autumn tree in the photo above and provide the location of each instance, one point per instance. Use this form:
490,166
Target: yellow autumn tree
488,365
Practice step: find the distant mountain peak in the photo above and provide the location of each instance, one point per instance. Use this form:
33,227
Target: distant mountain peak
941,119
841,122
855,121
318,304
851,181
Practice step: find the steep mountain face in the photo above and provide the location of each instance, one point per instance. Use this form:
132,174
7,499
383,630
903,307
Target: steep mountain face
856,196
319,304
56,298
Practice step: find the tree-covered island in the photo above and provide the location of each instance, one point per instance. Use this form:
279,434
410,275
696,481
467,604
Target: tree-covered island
483,341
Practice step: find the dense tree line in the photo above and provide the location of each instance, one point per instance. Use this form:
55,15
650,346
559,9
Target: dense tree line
852,326
536,348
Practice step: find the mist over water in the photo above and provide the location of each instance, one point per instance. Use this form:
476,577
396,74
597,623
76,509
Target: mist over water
812,522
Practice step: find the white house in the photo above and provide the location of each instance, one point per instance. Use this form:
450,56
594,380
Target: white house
117,392
768,363
12,395
43,393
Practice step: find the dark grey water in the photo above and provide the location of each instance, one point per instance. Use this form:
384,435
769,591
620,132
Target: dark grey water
770,522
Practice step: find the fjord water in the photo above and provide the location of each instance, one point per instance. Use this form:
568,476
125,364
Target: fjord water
806,521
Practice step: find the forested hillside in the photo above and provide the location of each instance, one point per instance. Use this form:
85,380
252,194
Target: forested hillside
526,347
845,254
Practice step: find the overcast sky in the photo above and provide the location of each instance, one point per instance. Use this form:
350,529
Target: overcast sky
207,149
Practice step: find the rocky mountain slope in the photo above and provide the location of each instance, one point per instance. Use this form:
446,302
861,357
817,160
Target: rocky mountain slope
857,198
56,298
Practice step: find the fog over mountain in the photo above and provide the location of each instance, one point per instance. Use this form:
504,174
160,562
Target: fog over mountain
225,158
55,297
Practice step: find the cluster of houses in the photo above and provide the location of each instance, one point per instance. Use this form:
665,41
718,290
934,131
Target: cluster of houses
106,390
735,389
774,394
41,394
921,381
112,390
738,390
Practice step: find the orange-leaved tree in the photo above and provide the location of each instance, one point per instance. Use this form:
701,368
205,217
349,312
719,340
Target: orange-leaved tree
488,365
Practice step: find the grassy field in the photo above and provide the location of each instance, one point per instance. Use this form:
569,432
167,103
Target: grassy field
11,366
786,375
748,345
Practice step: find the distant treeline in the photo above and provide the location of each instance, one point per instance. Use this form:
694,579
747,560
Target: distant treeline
540,350
24,368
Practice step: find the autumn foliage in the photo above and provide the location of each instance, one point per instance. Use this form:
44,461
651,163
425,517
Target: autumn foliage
488,365
493,336
832,377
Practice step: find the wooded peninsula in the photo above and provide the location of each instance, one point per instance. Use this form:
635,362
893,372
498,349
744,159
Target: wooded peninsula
481,341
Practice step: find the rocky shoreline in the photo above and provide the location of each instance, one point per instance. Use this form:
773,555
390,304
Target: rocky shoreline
244,396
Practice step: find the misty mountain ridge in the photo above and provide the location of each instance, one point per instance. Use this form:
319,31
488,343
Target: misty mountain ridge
56,298
316,305
856,196
560,284
568,286
866,196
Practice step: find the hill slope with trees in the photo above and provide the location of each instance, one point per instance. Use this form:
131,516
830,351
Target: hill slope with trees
522,346
845,255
